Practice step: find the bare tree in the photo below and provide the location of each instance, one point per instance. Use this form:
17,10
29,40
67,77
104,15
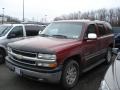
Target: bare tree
109,15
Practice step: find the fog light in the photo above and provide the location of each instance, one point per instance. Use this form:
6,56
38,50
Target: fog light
51,65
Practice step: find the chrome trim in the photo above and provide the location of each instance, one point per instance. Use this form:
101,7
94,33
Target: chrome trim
22,62
88,57
24,51
94,65
30,58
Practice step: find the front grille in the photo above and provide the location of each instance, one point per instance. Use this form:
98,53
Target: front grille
28,54
25,63
22,61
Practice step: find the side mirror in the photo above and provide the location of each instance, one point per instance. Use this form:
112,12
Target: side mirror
11,36
115,51
92,36
39,32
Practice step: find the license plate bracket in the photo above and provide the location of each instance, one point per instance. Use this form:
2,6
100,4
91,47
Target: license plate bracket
17,71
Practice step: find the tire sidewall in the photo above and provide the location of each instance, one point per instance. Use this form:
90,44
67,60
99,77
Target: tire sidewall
2,60
109,51
65,68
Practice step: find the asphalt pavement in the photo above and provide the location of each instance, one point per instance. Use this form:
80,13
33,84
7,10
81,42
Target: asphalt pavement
88,81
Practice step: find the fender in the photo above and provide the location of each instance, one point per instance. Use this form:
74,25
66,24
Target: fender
3,47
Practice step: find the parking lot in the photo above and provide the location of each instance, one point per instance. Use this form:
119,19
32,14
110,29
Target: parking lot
88,81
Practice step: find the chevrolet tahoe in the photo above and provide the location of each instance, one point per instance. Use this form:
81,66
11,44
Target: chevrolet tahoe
62,52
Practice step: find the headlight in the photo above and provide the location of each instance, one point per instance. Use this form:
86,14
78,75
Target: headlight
47,56
50,60
104,86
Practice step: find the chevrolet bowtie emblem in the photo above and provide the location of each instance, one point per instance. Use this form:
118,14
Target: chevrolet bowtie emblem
19,56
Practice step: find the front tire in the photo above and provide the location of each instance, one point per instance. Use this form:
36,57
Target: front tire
70,75
2,56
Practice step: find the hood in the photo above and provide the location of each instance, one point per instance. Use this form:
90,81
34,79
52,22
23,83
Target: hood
112,76
42,44
117,72
2,37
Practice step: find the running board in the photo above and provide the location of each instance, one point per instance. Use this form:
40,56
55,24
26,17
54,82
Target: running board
91,67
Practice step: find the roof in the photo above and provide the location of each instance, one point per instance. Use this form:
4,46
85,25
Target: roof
23,24
11,24
82,21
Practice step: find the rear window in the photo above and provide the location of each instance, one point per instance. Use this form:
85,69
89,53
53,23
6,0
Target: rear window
32,30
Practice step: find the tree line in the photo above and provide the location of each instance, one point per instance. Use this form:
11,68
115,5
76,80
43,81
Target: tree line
11,19
110,15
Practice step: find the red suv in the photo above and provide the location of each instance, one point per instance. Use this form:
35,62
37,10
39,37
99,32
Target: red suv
62,52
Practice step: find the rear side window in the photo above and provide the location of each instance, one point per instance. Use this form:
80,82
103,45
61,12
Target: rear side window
32,30
101,29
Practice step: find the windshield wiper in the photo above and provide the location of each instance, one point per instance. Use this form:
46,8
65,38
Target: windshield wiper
44,35
59,36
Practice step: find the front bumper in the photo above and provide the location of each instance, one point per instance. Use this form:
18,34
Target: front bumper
52,76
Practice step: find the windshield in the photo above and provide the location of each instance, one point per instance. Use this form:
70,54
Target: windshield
4,30
63,30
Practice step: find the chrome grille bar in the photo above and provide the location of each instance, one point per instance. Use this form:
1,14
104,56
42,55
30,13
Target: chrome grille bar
29,58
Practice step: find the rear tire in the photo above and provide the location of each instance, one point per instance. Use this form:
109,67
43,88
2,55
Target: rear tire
70,75
2,56
109,56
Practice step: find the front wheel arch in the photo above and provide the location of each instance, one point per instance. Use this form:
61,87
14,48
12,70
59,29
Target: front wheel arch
2,50
75,57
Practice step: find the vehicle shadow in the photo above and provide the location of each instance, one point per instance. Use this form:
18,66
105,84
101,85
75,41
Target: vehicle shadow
30,84
91,80
88,81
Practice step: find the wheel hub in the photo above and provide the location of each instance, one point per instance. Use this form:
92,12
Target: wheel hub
71,74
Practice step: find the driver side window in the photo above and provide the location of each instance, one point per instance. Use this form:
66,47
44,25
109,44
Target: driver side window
16,32
91,29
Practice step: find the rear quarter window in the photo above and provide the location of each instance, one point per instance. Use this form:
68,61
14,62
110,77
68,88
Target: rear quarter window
108,28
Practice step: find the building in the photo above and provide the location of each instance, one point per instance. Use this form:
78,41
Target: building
4,19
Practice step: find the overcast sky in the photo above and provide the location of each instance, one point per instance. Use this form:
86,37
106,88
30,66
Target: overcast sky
37,9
